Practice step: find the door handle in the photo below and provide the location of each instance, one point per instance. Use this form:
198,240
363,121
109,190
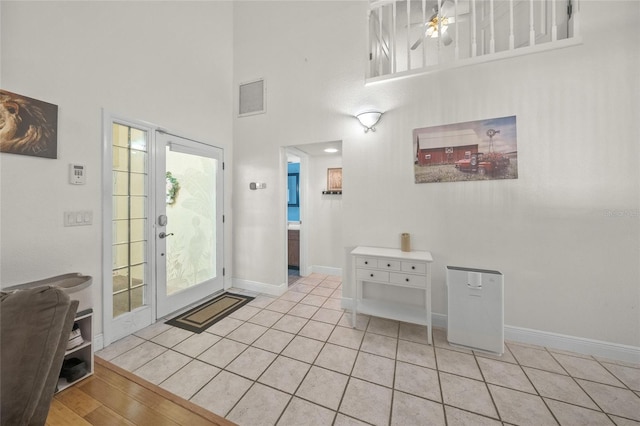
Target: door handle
163,235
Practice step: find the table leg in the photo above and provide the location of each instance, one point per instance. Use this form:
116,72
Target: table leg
354,306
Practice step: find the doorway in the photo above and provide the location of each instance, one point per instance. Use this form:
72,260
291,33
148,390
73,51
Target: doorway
189,221
162,224
293,218
319,223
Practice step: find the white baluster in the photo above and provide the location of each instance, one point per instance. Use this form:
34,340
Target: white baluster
423,31
408,34
457,23
554,24
380,41
439,18
576,18
492,39
532,30
511,36
370,40
474,45
394,41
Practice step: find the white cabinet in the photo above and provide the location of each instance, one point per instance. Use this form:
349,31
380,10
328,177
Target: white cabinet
82,352
408,272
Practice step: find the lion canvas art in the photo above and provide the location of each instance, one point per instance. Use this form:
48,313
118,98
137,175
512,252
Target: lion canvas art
28,126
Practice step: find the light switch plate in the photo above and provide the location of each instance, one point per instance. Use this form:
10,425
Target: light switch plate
78,218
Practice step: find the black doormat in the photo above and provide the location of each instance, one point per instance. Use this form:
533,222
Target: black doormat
205,315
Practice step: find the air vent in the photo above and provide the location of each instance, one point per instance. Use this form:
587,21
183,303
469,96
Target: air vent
252,98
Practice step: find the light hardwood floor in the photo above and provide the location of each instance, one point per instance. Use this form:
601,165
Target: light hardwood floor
113,396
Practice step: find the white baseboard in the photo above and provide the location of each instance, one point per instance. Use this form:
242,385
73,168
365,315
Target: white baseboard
326,270
581,345
98,343
258,287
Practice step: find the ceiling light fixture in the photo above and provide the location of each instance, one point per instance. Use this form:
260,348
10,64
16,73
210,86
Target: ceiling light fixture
330,150
369,119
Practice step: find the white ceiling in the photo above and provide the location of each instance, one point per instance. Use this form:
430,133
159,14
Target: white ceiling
317,149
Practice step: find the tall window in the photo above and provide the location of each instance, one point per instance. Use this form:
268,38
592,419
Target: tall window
130,215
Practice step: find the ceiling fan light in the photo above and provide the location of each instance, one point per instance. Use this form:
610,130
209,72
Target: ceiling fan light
434,33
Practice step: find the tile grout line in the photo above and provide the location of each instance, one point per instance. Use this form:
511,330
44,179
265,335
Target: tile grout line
278,354
350,376
574,381
486,385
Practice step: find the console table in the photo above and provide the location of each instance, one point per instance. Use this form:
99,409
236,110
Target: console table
396,268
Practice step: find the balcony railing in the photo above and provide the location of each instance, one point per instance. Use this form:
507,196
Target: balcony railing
409,37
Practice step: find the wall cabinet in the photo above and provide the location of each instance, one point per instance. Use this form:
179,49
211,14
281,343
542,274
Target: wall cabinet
400,271
294,248
83,352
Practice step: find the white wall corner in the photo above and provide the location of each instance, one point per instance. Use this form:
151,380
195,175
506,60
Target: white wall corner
228,282
98,343
258,287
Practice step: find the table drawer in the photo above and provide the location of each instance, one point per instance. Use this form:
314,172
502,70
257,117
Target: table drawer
408,280
414,267
372,275
392,265
366,262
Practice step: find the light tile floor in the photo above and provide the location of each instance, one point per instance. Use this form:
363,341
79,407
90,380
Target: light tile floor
295,360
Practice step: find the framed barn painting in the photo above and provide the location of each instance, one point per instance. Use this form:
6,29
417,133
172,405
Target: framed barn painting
474,150
28,126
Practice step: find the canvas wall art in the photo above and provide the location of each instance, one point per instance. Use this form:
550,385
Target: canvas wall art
28,126
473,150
334,179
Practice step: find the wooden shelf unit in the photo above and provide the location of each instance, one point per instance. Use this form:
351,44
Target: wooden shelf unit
84,352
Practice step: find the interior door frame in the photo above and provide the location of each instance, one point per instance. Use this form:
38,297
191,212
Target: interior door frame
145,315
195,148
303,185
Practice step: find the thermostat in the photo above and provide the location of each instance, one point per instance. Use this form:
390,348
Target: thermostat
77,174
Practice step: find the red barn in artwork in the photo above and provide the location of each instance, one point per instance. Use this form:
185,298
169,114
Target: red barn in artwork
444,155
445,148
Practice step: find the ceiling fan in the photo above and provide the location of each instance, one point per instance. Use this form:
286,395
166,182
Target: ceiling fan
443,19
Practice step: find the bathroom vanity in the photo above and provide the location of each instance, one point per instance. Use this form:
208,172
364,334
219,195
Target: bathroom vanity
294,248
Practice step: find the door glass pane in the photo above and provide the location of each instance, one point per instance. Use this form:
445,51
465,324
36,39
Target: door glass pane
191,253
121,183
120,255
130,183
128,230
137,184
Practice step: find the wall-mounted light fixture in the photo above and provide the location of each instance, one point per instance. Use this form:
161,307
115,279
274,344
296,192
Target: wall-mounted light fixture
369,119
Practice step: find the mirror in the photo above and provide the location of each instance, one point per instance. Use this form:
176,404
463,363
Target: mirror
293,190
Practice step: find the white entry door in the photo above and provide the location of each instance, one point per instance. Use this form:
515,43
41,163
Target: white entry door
188,223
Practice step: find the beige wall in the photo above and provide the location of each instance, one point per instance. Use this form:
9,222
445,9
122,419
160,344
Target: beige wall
570,266
565,234
168,63
324,224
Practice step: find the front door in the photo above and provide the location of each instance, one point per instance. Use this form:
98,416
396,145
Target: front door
188,223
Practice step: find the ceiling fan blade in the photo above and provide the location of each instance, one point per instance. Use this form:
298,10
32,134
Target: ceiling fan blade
417,43
448,8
